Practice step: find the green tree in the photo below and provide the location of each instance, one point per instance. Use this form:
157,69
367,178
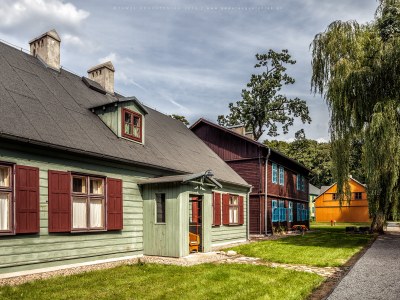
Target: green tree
356,67
263,106
180,118
313,155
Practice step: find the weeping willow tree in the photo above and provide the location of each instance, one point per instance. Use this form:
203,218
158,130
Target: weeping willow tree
356,68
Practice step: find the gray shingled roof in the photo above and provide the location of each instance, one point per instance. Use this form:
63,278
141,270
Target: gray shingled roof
53,108
313,190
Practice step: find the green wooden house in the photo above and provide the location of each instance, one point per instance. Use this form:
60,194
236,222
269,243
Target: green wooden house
87,174
313,192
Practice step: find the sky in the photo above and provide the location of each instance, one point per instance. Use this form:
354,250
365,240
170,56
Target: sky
190,58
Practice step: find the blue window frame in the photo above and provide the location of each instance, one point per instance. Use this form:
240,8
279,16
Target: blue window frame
290,211
282,211
298,212
274,173
303,188
281,176
275,211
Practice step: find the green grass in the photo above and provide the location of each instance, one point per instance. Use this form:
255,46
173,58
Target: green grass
151,281
327,246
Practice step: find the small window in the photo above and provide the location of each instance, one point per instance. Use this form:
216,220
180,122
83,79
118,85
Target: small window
5,199
274,173
160,208
334,197
233,209
281,176
131,125
275,211
88,208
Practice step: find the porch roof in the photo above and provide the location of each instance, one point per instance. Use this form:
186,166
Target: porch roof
181,178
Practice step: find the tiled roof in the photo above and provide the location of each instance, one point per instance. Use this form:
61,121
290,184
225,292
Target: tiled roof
52,108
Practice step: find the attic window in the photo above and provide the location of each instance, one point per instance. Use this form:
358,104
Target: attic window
131,125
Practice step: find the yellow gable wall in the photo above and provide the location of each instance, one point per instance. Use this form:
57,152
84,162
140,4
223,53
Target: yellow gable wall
327,209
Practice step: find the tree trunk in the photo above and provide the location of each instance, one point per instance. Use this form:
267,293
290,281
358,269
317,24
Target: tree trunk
378,223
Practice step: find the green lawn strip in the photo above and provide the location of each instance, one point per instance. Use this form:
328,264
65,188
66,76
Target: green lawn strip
326,247
151,281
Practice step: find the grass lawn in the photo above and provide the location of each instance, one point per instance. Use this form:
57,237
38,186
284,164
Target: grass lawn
327,246
151,281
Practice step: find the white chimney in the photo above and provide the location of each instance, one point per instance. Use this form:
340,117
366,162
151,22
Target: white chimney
103,74
47,48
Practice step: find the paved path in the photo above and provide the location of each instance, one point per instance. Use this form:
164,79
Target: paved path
377,274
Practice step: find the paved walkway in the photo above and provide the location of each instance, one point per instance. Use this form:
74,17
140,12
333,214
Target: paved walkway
377,274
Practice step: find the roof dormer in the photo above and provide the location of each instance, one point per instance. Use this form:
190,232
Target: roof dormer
125,117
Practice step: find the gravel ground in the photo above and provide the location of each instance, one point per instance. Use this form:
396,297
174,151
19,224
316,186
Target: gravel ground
376,275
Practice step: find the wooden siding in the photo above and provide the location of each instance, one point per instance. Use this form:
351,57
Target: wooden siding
172,237
248,160
45,249
225,234
227,146
289,189
327,209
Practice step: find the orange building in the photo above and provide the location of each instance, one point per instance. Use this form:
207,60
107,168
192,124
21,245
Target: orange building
327,205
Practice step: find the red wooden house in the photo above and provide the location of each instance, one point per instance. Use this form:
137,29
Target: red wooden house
280,184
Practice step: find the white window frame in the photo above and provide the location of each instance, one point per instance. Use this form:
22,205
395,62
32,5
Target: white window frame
232,208
9,190
88,197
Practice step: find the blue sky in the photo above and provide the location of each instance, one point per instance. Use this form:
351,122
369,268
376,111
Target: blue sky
185,57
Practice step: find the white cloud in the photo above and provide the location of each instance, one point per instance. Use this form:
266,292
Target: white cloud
72,40
15,13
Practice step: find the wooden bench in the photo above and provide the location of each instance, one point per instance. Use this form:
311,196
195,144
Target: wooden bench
194,242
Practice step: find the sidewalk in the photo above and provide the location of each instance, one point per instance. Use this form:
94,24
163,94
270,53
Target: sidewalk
377,274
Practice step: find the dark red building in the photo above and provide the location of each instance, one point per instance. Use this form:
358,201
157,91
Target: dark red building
280,184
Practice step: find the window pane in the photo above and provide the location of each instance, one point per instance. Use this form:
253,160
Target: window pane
160,202
136,121
96,213
4,211
4,176
79,213
233,215
128,128
96,186
234,200
128,118
79,184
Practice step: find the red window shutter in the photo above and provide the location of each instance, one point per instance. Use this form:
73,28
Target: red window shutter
114,204
225,209
195,211
217,209
241,210
59,201
27,210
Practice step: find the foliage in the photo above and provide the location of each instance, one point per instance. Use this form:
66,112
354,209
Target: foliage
326,247
317,157
356,68
180,118
150,281
262,106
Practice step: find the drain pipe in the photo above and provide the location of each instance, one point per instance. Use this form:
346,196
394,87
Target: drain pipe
266,192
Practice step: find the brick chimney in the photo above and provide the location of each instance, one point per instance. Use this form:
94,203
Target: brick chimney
47,48
103,74
240,129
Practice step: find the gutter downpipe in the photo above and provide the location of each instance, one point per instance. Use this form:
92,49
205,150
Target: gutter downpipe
248,214
266,192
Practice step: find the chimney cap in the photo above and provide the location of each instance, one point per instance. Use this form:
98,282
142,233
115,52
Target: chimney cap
51,33
107,65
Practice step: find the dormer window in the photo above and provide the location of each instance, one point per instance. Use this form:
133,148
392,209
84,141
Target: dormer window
131,125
